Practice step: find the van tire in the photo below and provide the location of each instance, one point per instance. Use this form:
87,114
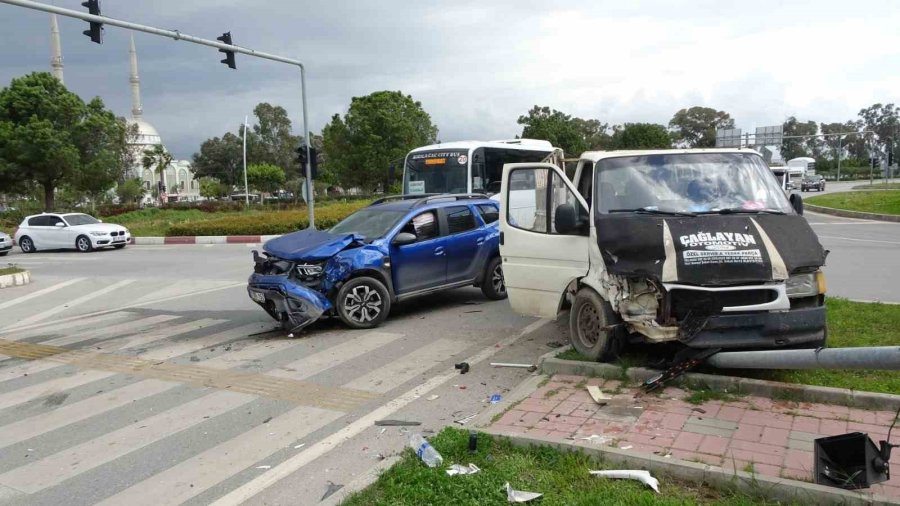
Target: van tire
588,315
493,285
368,292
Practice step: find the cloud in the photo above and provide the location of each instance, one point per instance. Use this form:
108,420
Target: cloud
477,66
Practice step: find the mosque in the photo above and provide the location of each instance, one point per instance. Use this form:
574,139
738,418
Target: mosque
178,178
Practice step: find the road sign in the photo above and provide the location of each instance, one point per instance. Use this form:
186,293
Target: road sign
769,135
728,137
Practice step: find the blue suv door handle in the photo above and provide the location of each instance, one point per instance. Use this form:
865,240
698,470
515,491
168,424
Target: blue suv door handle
479,241
438,251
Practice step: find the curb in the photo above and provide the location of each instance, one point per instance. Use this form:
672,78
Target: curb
17,279
779,489
202,239
771,389
852,214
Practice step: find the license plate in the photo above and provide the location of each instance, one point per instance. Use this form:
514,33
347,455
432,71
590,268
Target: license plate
258,297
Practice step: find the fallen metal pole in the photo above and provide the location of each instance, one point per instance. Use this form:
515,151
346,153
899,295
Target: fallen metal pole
880,357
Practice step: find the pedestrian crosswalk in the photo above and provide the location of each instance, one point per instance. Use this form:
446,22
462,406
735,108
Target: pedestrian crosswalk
183,375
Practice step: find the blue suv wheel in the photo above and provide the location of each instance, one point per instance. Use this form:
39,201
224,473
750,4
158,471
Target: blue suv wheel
363,303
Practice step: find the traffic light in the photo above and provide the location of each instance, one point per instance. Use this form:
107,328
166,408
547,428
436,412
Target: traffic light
229,55
890,158
301,156
95,32
314,162
874,162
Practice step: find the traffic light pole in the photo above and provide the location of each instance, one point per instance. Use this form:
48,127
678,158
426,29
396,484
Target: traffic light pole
177,35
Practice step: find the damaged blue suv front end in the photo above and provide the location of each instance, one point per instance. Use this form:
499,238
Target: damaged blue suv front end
293,278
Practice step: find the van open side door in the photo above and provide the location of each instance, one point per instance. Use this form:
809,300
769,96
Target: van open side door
545,229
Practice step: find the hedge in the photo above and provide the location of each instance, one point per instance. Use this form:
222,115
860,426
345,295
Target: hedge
276,222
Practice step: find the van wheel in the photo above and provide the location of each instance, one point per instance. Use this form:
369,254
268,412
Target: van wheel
589,314
493,286
363,303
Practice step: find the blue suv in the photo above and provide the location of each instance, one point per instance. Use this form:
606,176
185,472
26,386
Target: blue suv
396,248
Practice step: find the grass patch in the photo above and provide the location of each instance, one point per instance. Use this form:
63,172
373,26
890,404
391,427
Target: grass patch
10,270
571,354
561,476
881,202
850,324
878,186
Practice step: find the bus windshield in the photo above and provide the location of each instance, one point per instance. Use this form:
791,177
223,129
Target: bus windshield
437,171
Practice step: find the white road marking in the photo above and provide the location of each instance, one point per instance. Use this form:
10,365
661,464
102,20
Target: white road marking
139,340
182,288
311,365
196,475
402,369
57,468
816,223
18,335
43,315
43,291
243,493
251,352
130,306
32,392
119,329
21,370
36,425
857,240
189,346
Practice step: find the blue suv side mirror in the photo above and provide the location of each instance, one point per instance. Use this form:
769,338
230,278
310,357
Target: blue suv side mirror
403,238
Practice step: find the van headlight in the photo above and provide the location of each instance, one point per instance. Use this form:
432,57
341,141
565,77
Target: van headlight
805,285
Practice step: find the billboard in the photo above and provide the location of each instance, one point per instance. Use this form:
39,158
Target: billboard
769,136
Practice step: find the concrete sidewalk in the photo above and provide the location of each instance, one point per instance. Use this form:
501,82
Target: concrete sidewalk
748,433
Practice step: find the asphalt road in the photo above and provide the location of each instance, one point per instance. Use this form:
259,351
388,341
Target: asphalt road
179,391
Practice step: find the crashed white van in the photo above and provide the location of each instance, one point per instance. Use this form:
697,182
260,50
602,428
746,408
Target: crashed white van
698,246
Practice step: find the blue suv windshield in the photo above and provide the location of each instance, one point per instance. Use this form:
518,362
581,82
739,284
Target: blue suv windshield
369,223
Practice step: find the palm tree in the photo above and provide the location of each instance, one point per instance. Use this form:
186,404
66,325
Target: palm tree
157,159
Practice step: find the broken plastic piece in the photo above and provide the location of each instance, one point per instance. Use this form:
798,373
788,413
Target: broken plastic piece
495,399
332,488
530,367
392,423
463,421
463,367
433,397
639,475
519,495
458,469
596,438
596,394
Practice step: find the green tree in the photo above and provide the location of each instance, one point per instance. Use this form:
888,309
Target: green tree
640,136
131,191
157,159
51,138
377,129
696,127
273,141
265,177
556,127
212,188
793,148
884,120
221,158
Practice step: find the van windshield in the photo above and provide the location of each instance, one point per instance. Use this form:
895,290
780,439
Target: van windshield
688,183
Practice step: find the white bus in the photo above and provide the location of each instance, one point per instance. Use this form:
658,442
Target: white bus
470,166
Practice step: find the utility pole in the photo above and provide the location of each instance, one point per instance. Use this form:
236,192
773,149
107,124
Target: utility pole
246,188
98,22
839,153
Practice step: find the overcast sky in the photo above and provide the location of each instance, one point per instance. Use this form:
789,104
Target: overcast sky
477,65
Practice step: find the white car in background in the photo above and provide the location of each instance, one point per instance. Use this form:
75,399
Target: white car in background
6,243
67,231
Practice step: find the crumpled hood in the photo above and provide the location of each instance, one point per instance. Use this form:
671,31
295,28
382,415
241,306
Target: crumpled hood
309,245
709,250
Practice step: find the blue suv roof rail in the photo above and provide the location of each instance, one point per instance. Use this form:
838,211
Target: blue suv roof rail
412,196
453,196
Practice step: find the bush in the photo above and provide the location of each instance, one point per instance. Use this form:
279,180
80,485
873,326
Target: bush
271,223
116,209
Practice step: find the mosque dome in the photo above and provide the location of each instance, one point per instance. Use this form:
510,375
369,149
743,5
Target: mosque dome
146,135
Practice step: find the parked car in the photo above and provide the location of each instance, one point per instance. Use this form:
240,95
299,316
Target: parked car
67,231
394,249
6,243
813,182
